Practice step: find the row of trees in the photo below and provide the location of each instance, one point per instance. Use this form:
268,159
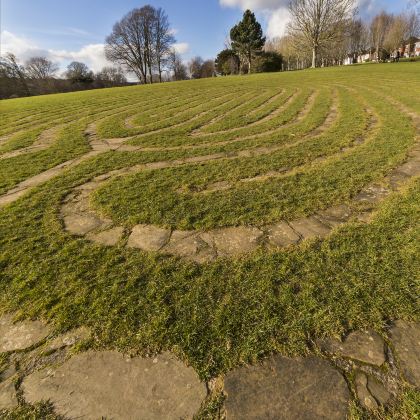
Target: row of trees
320,33
39,75
324,32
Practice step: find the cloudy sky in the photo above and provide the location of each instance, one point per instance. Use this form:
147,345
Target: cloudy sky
67,30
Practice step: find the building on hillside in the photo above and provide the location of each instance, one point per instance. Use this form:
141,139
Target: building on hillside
412,47
417,49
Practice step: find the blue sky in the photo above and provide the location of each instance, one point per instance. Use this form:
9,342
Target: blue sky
76,29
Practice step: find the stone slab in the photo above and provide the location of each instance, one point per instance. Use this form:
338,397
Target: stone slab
70,338
236,240
405,337
281,235
20,335
108,237
148,237
81,224
335,216
96,385
285,389
8,399
365,397
310,227
365,346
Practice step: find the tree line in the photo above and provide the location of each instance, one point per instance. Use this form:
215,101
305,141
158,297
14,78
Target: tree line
328,32
40,76
142,43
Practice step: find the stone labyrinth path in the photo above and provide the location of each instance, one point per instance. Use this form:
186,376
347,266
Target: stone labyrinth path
209,228
107,384
261,167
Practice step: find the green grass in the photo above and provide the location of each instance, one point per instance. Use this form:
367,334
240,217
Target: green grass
231,311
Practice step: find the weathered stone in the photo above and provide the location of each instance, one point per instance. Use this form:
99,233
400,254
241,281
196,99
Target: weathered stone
20,335
236,240
310,227
7,373
108,237
281,235
411,168
365,398
377,390
397,179
105,384
8,399
365,346
148,237
283,388
335,216
70,338
405,337
183,243
372,194
81,224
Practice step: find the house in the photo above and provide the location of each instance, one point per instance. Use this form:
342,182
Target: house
417,49
410,47
365,56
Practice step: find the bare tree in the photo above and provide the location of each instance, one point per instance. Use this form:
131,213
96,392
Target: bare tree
11,69
40,68
412,25
111,76
208,69
126,45
79,72
194,67
318,22
396,33
379,27
358,38
140,41
176,66
163,40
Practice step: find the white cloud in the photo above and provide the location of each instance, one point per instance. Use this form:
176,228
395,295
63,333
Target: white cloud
92,54
277,22
255,4
182,47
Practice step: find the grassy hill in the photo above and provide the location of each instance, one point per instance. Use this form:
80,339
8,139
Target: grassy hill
222,219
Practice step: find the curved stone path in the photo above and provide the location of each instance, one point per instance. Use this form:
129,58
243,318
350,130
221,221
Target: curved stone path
201,247
44,141
79,219
40,366
99,145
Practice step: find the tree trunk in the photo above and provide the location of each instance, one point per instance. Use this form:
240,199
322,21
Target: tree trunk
314,54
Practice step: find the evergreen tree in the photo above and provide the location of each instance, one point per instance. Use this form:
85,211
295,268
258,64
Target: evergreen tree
247,39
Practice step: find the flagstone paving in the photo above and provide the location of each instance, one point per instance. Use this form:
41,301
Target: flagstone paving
106,384
284,388
91,384
20,335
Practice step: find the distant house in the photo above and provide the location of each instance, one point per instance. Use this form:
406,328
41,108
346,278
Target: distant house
364,57
412,47
417,49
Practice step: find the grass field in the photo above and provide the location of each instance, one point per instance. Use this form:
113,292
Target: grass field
201,156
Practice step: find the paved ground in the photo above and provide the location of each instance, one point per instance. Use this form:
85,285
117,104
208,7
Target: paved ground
42,366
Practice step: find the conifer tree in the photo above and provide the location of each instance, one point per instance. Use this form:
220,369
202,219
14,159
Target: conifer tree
247,39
